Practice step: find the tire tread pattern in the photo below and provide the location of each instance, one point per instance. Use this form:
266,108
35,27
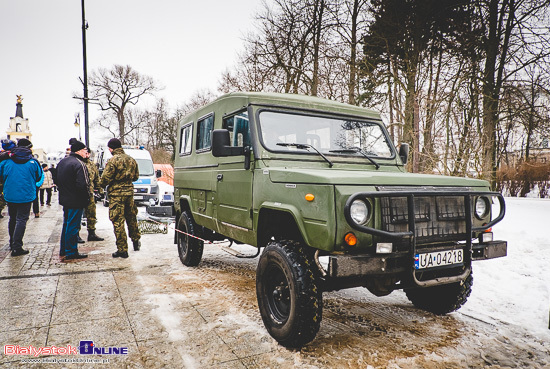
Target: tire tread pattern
195,247
309,304
443,299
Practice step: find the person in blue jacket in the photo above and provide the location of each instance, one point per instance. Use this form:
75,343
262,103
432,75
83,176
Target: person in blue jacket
21,175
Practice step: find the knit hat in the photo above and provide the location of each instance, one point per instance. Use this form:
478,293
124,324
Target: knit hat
8,144
23,142
72,140
77,146
114,143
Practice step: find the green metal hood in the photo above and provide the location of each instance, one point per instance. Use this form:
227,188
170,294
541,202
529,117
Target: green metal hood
368,178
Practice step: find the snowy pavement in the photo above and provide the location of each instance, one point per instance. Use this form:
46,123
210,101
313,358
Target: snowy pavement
168,315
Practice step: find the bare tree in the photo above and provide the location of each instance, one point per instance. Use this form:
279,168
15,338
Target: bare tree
511,40
114,91
350,18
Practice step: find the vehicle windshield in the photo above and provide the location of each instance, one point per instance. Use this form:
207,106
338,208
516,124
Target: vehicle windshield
329,135
145,167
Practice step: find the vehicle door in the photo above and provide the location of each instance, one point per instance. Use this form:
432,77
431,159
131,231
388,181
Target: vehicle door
234,182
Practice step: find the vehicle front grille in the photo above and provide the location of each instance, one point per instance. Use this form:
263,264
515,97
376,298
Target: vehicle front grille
437,218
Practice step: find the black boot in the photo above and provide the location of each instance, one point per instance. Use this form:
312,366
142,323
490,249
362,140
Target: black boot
137,245
119,254
79,240
18,252
93,237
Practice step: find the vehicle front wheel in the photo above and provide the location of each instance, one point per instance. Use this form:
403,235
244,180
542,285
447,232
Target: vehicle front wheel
441,299
189,248
289,299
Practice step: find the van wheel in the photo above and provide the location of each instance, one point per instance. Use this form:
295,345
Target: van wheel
289,299
189,248
442,299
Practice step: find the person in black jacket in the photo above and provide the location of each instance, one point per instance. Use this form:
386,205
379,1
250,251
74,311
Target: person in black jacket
53,170
74,194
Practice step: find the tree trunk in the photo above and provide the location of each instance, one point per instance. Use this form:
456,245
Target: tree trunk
353,55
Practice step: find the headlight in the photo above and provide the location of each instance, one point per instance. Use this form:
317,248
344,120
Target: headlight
359,211
482,207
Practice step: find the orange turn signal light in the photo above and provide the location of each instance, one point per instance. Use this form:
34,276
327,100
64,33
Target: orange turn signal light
310,197
350,239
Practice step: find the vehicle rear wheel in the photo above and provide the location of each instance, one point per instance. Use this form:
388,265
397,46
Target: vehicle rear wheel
441,299
189,248
289,299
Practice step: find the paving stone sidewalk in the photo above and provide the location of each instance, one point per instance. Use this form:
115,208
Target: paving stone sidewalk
141,304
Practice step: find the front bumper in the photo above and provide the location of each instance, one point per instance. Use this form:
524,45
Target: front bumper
402,260
350,266
144,198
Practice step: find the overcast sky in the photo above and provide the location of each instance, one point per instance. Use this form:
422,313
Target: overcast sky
184,45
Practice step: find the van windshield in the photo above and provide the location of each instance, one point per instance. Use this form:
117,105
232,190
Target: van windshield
329,135
145,167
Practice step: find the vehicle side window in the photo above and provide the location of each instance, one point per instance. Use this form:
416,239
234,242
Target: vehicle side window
186,139
204,132
239,131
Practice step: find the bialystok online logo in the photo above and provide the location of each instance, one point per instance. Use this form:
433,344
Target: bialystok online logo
85,348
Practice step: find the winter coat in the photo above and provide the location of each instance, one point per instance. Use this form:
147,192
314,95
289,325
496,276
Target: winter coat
48,180
20,175
73,182
119,173
53,171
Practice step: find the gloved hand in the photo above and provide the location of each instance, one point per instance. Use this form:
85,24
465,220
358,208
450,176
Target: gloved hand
97,197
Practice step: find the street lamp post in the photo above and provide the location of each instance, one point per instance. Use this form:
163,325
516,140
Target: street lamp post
85,80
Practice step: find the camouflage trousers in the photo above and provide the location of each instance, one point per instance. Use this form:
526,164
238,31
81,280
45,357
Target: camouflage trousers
121,209
91,218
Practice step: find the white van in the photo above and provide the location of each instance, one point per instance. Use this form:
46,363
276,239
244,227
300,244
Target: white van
146,187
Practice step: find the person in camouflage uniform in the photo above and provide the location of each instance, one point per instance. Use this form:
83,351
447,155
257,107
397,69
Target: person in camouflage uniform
119,173
95,188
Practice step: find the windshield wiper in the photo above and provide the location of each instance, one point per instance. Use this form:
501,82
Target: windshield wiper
306,147
358,150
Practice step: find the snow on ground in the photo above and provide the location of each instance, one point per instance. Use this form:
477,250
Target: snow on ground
512,290
516,289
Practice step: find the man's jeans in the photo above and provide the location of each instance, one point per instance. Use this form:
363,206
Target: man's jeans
19,215
69,235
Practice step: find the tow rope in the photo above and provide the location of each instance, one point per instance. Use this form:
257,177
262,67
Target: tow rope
224,248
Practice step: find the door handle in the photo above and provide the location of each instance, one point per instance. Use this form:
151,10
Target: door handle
219,177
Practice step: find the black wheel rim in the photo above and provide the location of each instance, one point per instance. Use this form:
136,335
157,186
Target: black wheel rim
277,292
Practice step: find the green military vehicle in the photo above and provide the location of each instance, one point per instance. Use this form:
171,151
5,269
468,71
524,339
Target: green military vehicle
321,188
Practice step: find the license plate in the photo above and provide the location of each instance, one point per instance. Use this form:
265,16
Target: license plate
138,197
438,259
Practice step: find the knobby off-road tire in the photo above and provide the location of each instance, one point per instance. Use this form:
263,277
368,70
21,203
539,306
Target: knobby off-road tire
289,299
442,299
189,248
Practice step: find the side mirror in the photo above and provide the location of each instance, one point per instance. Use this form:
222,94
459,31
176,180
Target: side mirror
404,152
159,173
221,144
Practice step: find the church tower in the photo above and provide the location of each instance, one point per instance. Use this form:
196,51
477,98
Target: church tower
19,126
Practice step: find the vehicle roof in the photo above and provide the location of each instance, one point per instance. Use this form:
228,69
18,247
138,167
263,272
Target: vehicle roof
236,100
138,153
